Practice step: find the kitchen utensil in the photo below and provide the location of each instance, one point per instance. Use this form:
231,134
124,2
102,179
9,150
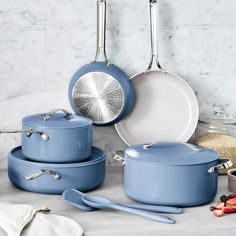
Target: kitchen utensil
100,90
217,130
100,203
232,180
74,197
165,105
55,137
171,173
55,178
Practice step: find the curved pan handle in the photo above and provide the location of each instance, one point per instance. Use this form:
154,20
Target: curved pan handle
56,175
153,11
101,32
53,112
28,133
224,164
191,146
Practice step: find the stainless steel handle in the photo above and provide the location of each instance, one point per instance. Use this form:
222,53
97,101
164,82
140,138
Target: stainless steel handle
53,112
191,146
118,157
56,175
28,133
224,164
153,15
101,32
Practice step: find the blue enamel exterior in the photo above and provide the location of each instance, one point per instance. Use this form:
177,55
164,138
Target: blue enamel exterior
170,185
118,74
152,179
69,140
83,176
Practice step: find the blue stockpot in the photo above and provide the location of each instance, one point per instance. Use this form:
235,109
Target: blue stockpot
55,178
172,174
115,72
69,138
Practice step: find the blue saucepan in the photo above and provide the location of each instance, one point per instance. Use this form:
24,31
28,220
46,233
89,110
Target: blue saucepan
56,137
55,178
100,90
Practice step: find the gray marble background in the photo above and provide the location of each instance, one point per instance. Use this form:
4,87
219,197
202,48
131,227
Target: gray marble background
42,43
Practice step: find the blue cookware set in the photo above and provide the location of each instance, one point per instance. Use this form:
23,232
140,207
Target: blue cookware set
57,152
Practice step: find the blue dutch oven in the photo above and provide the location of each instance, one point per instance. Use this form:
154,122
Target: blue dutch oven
171,173
56,137
55,178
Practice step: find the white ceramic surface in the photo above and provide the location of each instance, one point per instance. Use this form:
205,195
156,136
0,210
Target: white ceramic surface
165,108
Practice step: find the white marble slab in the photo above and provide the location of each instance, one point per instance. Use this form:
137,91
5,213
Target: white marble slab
22,12
214,89
22,50
197,13
212,51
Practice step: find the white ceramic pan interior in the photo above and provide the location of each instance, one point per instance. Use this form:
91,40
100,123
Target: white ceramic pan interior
165,107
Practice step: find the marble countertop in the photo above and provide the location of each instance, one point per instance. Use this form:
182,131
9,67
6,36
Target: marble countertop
194,221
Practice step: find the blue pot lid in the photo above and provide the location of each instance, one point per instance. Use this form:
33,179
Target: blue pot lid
96,156
57,121
172,153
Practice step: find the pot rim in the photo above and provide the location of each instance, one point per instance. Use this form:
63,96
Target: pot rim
56,165
229,173
161,164
42,124
39,127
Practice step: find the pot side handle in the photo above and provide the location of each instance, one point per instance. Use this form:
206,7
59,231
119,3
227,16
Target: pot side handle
28,133
224,164
191,146
53,112
119,155
56,175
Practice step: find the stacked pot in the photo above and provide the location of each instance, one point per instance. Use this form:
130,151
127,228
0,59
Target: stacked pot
56,154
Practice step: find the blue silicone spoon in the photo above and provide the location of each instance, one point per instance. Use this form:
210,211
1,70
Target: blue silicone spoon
74,197
101,203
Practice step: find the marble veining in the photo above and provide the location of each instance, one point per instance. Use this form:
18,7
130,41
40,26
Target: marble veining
43,43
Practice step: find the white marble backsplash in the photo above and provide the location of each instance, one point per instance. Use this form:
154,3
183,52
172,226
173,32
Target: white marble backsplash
42,43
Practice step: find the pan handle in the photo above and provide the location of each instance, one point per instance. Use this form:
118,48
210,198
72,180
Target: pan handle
28,133
101,33
191,146
153,12
56,175
53,112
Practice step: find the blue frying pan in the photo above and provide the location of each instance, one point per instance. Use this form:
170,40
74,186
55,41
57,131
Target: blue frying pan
100,90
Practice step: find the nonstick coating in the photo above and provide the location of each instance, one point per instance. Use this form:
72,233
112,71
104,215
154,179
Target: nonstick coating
165,108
